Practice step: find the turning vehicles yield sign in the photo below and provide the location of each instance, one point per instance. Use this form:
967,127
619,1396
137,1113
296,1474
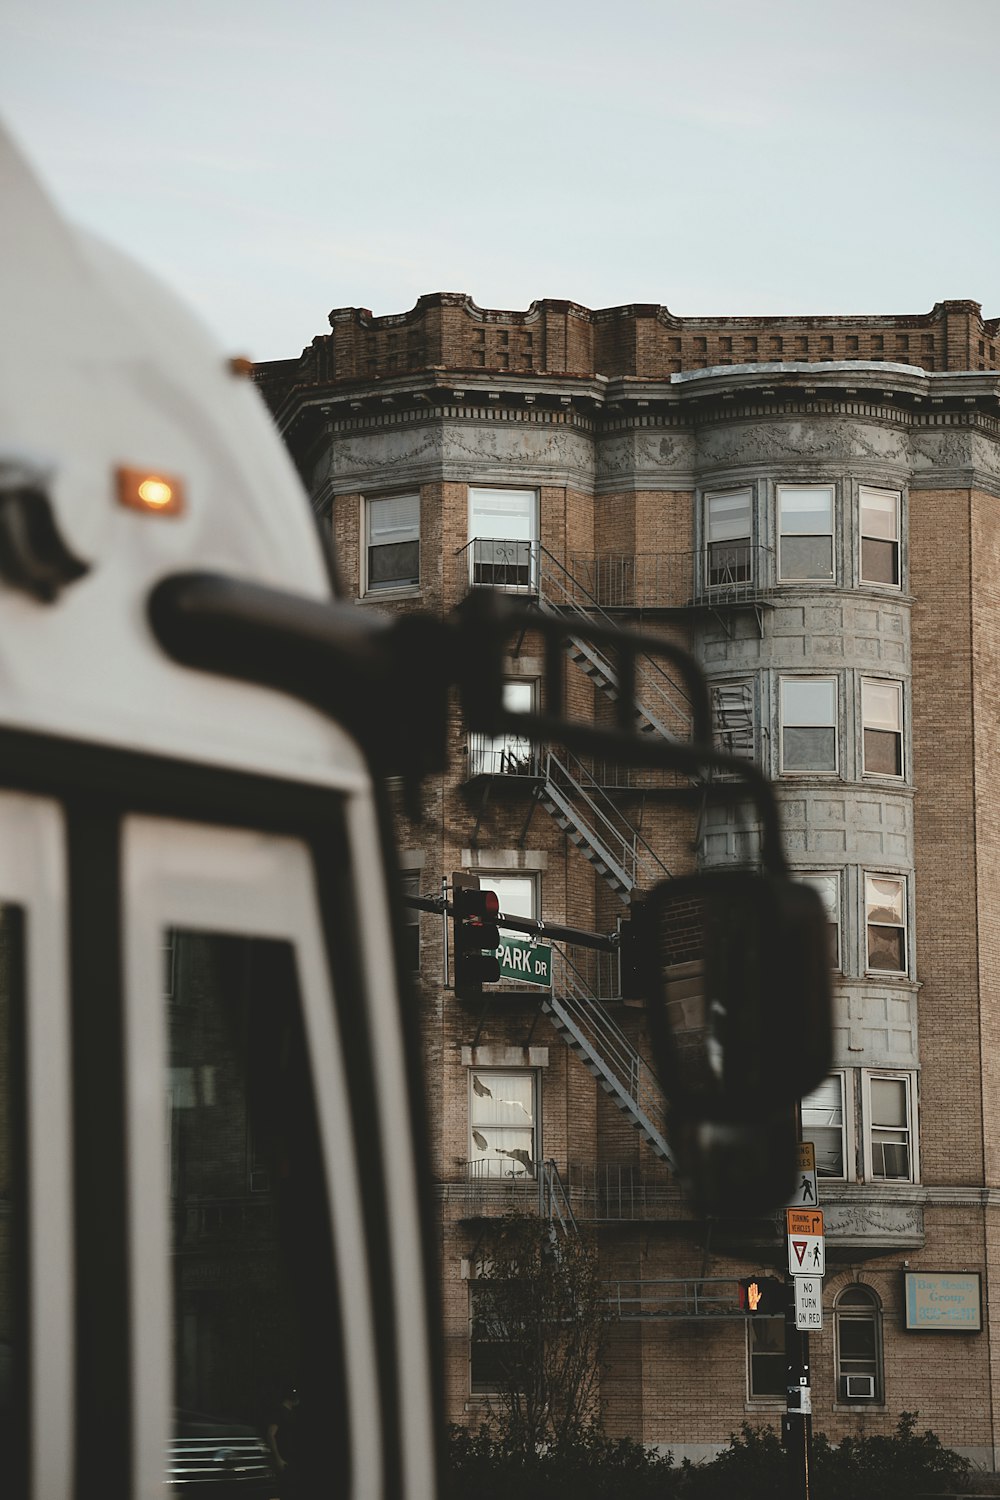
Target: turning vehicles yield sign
806,1245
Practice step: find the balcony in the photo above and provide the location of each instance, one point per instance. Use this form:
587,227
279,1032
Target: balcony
721,576
608,1193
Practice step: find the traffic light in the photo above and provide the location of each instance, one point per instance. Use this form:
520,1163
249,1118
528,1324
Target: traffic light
764,1296
476,936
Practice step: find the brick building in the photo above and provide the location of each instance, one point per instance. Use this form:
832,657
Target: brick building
811,505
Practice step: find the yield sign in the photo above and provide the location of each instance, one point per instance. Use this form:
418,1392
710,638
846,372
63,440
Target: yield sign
806,1255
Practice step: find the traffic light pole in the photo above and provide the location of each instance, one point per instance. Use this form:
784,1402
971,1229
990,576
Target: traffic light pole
796,1427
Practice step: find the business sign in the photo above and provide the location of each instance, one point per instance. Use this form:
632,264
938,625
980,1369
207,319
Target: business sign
943,1302
808,1303
531,963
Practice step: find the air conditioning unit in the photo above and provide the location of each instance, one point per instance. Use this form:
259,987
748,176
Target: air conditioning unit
860,1387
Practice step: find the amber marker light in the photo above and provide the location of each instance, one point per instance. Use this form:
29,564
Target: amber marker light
155,493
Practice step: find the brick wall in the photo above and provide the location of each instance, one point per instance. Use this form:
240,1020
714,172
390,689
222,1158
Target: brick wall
447,331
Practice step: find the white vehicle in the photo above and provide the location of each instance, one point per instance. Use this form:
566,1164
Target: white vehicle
210,1139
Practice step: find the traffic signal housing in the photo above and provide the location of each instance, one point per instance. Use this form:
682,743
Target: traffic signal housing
762,1296
476,936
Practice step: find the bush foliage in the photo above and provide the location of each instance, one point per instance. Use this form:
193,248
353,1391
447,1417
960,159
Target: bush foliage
903,1466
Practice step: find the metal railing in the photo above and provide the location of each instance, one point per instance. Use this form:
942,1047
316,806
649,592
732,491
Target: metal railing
720,574
569,1193
494,1187
526,567
507,756
609,835
676,1298
607,1043
197,1219
665,702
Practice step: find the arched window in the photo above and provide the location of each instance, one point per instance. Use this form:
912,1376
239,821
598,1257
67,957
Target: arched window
858,1319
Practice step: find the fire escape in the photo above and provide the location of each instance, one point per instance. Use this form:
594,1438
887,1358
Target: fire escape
576,796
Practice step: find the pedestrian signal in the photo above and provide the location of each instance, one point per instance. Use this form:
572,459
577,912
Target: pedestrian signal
763,1296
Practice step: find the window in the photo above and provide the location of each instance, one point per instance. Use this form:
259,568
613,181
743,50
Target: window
827,884
889,1128
880,536
503,529
885,923
507,754
766,1362
857,1318
410,884
518,894
502,1137
805,531
823,1123
393,542
733,718
882,718
727,538
808,724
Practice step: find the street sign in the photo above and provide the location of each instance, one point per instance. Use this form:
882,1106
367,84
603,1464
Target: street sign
805,1179
531,963
808,1303
806,1246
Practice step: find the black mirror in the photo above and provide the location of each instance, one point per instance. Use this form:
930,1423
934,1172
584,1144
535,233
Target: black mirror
736,971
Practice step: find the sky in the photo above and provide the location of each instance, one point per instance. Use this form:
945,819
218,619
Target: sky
274,161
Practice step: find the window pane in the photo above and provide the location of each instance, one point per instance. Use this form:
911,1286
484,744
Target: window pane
806,557
729,517
245,1263
767,1356
394,563
888,1096
886,950
881,705
879,562
805,512
394,519
808,701
857,1344
884,899
503,1099
503,513
823,1124
879,514
516,893
809,750
883,753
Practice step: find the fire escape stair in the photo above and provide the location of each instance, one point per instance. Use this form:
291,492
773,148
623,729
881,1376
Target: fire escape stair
590,1031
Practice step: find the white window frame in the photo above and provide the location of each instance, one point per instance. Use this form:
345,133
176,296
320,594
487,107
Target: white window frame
869,493
909,1082
905,925
829,489
867,722
505,1174
845,1080
742,571
845,1314
392,586
792,681
818,880
529,523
